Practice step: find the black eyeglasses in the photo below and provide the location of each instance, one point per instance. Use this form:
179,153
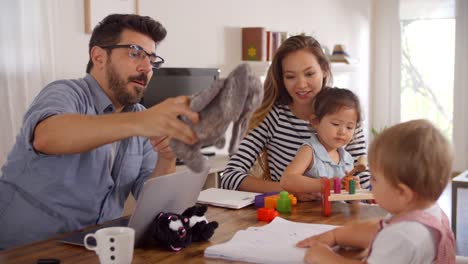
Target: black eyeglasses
138,53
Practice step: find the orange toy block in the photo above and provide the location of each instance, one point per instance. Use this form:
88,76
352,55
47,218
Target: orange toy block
270,201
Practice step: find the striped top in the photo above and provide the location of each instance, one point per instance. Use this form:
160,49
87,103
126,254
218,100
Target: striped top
282,133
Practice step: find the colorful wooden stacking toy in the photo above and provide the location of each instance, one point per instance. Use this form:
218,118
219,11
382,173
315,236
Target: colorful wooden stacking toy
349,194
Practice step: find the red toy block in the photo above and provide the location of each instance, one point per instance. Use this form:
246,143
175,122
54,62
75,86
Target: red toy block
266,214
326,204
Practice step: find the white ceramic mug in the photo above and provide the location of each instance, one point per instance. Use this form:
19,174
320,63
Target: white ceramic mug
113,244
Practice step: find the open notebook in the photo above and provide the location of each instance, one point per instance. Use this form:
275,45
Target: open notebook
274,243
226,198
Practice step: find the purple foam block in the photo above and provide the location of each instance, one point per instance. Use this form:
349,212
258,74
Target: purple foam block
260,198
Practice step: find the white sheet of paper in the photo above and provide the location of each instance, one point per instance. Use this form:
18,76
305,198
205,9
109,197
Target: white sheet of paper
271,243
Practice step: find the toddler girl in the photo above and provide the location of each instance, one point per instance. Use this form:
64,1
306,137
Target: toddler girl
336,114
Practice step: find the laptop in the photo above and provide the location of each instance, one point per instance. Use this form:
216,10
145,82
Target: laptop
226,198
169,193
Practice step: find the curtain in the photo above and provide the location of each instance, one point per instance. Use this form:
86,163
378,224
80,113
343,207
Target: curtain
27,61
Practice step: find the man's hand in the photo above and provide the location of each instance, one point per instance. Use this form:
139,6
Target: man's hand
161,145
162,120
166,158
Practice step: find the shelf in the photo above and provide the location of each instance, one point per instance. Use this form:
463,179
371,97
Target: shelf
261,67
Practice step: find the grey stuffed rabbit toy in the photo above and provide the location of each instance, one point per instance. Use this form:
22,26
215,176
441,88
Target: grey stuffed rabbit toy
232,99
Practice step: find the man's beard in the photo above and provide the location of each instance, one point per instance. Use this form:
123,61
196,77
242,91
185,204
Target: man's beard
118,86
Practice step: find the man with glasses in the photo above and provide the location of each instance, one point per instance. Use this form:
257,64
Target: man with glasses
86,144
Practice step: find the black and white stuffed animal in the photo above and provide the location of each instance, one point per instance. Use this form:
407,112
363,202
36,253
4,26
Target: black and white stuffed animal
171,230
178,231
200,228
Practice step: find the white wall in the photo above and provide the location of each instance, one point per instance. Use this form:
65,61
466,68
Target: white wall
71,43
206,33
460,118
385,78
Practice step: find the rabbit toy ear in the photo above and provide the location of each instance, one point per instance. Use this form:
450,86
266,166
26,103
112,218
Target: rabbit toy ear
248,91
201,99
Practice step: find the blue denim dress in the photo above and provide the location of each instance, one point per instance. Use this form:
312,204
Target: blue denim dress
323,165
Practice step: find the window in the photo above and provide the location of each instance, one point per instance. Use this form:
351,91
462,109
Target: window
427,71
420,67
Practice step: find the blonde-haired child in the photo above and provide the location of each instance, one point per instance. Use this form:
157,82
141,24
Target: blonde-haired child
337,113
410,165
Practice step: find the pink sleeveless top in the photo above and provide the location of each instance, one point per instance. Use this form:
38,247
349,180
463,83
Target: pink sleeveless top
446,247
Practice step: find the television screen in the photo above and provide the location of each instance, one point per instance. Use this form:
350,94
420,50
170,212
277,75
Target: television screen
172,82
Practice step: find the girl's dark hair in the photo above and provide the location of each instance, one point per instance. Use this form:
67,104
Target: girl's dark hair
331,100
108,31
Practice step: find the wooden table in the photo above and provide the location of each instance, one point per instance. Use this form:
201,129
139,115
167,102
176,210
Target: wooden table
230,222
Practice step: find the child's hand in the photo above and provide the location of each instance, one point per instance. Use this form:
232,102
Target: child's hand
319,253
343,182
327,238
356,180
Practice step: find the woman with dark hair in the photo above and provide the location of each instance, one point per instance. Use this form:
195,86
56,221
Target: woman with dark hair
299,70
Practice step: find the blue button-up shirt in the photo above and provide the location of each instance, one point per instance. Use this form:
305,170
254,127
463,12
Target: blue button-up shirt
42,195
